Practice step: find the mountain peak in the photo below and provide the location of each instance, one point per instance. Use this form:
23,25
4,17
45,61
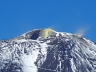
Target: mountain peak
35,34
45,50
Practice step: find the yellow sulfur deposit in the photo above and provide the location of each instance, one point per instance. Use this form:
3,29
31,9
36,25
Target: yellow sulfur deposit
46,32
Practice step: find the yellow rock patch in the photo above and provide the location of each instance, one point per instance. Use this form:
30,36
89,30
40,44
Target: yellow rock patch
46,32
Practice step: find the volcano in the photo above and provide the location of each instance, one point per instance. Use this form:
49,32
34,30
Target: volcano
46,50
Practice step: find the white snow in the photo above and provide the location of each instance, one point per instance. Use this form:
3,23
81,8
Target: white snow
29,60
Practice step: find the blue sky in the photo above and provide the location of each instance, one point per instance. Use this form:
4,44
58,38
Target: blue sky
20,16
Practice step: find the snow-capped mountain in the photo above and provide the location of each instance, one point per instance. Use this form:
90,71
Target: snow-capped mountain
45,50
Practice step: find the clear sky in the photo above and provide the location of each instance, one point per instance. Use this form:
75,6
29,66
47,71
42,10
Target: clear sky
73,16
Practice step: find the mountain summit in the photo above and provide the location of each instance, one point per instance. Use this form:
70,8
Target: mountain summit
45,50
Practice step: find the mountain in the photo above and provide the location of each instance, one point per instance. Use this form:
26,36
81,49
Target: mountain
45,50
